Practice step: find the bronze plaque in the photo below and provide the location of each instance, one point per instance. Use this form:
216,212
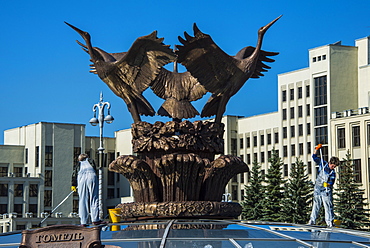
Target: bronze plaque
61,236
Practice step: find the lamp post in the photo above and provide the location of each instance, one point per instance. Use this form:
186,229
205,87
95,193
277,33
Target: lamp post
100,106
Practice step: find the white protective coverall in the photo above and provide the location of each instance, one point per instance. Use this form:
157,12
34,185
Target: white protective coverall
87,192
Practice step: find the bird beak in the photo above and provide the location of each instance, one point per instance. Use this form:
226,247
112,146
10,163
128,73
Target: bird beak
265,28
84,34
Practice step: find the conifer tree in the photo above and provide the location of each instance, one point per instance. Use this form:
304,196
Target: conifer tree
274,194
252,204
298,195
350,205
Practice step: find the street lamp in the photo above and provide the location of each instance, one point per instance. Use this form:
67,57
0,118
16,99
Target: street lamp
95,121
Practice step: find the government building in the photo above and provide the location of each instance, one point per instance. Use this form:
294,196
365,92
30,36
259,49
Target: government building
327,103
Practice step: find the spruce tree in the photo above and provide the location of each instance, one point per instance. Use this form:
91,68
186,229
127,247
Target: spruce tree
252,204
274,194
350,205
298,195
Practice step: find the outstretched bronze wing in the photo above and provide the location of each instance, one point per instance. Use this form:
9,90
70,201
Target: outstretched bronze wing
129,74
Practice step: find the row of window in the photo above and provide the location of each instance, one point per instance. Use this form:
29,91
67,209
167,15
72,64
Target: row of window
262,140
356,137
293,130
18,208
300,112
18,190
17,172
319,58
255,157
291,93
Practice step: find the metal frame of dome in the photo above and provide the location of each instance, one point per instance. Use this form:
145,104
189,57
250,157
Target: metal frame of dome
207,233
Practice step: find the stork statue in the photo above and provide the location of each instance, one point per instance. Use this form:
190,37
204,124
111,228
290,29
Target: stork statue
129,73
219,73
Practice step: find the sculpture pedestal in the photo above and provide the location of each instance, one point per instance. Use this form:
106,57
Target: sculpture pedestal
175,174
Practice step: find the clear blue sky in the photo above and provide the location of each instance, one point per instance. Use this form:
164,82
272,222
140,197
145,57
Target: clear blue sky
45,75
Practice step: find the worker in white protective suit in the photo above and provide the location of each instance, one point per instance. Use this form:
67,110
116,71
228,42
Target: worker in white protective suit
323,191
84,179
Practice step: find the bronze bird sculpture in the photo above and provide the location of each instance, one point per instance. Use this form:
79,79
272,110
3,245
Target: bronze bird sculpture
129,73
219,73
178,90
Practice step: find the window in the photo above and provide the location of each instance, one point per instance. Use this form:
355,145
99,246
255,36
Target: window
283,95
262,157
308,110
292,149
321,135
301,149
286,172
110,180
3,171
268,154
32,208
300,111
276,138
254,140
300,130
48,178
285,132
368,135
262,139
75,206
314,59
234,146
3,189
255,157
309,168
309,147
248,158
37,154
18,171
76,153
291,94
48,156
110,193
34,190
47,198
324,57
319,58
285,151
284,114
291,112
269,138
234,190
356,136
3,208
18,208
308,128
320,91
241,141
341,138
26,155
307,91
321,116
292,131
299,92
248,142
18,190
357,170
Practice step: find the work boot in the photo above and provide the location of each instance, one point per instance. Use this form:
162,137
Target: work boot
100,222
311,223
330,224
